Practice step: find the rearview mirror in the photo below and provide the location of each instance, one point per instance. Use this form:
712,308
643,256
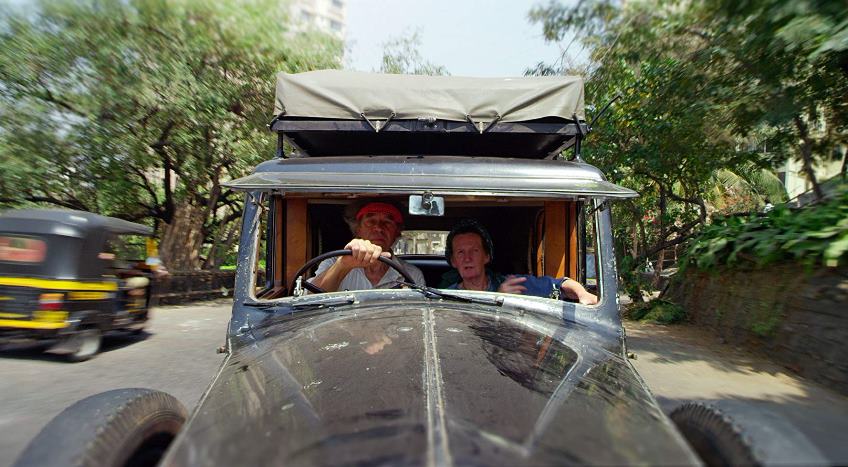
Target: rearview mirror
426,205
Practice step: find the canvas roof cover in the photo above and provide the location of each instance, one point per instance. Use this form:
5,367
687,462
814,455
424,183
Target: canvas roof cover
348,95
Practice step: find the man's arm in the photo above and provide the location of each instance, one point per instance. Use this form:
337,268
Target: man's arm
331,278
417,275
364,254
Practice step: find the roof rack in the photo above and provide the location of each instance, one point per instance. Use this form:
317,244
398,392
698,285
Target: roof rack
425,136
342,113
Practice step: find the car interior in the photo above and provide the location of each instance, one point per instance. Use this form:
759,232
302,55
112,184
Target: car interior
530,236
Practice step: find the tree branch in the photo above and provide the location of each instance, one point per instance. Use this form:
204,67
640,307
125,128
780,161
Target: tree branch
145,184
48,96
159,148
806,154
47,199
659,247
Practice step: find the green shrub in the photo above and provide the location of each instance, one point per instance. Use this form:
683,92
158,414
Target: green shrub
816,234
656,311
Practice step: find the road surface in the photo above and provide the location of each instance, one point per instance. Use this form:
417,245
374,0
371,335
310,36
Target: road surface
682,362
679,363
176,355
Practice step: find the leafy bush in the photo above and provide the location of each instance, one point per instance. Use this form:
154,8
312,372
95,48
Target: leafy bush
656,311
632,281
816,234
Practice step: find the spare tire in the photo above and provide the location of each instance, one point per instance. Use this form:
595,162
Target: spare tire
122,427
712,435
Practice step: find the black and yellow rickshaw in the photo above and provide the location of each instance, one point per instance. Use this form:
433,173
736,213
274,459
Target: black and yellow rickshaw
60,279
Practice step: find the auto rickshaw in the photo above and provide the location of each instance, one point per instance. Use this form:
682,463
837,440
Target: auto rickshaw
60,280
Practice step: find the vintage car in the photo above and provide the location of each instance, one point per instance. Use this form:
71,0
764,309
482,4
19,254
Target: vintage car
410,374
61,282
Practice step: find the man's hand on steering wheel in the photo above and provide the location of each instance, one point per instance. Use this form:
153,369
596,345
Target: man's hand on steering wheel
363,254
382,257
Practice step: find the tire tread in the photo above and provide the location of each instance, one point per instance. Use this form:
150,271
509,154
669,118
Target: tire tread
104,429
713,435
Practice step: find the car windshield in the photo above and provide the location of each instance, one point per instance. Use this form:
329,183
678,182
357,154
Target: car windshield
518,246
421,242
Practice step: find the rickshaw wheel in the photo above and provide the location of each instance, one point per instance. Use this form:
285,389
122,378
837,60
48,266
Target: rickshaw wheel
86,344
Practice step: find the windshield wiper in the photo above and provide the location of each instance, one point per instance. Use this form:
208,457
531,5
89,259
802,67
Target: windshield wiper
431,292
306,303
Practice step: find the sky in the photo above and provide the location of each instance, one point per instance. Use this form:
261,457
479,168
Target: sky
489,38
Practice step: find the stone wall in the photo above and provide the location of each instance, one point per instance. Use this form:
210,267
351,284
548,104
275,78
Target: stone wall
800,318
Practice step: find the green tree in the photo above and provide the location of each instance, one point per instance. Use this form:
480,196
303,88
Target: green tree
744,191
787,68
140,109
666,137
705,86
401,56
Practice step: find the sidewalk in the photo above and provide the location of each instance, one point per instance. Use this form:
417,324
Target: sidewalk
682,363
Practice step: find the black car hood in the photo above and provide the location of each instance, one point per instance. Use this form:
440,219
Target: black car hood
434,384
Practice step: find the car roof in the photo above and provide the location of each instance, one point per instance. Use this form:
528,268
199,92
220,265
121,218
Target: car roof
440,175
74,223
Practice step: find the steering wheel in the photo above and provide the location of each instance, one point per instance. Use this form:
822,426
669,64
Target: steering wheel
332,254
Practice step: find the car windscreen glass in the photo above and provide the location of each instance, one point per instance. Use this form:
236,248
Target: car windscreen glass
540,239
421,242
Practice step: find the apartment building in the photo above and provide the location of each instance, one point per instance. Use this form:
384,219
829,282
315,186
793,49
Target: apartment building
324,15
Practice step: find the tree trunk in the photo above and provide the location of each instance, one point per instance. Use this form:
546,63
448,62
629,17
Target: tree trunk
213,261
634,249
659,268
807,156
182,239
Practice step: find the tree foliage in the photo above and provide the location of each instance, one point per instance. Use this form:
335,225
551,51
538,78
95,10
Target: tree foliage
140,109
787,69
401,56
705,87
813,235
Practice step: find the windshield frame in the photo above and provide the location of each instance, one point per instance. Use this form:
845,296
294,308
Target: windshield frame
257,198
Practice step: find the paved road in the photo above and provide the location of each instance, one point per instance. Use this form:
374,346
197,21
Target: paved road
682,363
177,355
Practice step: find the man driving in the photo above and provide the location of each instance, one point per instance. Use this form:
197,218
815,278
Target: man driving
376,226
470,250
